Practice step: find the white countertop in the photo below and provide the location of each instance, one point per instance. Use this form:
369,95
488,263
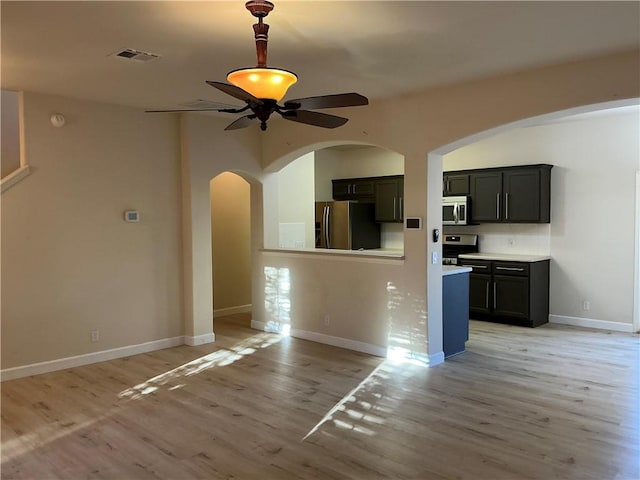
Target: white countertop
453,270
505,257
390,253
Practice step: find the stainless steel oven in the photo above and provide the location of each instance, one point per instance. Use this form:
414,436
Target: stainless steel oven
456,244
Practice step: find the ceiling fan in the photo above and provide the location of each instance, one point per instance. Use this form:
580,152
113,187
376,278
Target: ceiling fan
261,88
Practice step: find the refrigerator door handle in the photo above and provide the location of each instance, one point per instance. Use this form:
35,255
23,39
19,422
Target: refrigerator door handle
325,226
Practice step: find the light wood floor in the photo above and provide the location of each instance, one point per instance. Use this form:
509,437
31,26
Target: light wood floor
544,403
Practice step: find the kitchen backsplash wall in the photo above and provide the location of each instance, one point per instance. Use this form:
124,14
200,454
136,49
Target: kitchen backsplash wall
530,239
392,236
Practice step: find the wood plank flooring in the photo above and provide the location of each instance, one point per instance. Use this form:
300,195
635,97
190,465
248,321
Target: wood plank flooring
551,402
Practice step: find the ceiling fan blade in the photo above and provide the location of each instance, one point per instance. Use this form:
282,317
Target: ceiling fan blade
236,92
314,118
327,101
242,122
185,110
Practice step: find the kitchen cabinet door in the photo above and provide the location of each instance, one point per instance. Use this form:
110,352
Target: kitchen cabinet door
526,195
389,200
511,296
455,184
479,293
359,189
486,193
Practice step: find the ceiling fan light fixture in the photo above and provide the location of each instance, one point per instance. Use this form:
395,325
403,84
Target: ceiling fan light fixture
262,82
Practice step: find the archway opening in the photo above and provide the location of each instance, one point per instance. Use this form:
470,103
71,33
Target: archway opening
231,249
511,239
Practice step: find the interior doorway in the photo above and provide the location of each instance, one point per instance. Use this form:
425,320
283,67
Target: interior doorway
230,197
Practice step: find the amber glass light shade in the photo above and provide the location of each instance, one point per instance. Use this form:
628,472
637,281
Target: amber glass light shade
263,82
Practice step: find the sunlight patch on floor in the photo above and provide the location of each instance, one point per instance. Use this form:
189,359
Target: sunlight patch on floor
219,358
355,410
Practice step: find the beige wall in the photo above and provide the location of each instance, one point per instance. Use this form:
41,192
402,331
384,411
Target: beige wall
70,264
10,134
231,243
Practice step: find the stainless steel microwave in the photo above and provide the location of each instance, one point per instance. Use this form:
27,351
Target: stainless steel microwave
455,210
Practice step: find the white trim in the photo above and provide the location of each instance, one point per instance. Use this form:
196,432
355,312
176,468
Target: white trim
14,177
258,325
347,343
86,359
199,339
390,257
435,359
221,312
591,323
636,263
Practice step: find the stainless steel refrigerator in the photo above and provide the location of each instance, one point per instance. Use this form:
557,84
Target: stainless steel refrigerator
346,225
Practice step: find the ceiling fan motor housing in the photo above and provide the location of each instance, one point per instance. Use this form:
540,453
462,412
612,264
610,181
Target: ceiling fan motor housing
259,8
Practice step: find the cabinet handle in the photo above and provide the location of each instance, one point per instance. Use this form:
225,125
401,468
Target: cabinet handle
506,206
497,206
494,296
401,209
511,269
394,207
354,188
484,267
486,300
349,188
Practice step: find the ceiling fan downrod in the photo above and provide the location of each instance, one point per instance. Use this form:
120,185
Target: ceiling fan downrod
260,9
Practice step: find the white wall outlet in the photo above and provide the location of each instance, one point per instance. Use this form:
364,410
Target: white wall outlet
95,336
586,305
327,320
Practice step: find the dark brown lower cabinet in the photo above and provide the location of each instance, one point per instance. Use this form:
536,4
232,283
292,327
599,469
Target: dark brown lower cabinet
509,292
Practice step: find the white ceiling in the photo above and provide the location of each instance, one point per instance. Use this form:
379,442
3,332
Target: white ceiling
379,48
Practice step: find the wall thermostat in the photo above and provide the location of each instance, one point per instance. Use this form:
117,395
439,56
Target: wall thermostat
413,223
131,216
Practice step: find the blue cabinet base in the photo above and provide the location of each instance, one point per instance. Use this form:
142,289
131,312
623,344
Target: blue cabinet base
455,313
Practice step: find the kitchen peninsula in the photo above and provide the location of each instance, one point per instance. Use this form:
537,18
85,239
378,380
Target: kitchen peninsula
455,309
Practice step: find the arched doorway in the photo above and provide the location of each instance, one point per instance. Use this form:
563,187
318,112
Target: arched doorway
435,166
230,196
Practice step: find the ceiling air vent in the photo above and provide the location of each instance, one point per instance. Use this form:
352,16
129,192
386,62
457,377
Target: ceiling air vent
135,55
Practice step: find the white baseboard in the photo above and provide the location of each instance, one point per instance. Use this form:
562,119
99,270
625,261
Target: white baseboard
199,339
347,343
435,359
221,312
258,325
86,359
591,323
375,350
